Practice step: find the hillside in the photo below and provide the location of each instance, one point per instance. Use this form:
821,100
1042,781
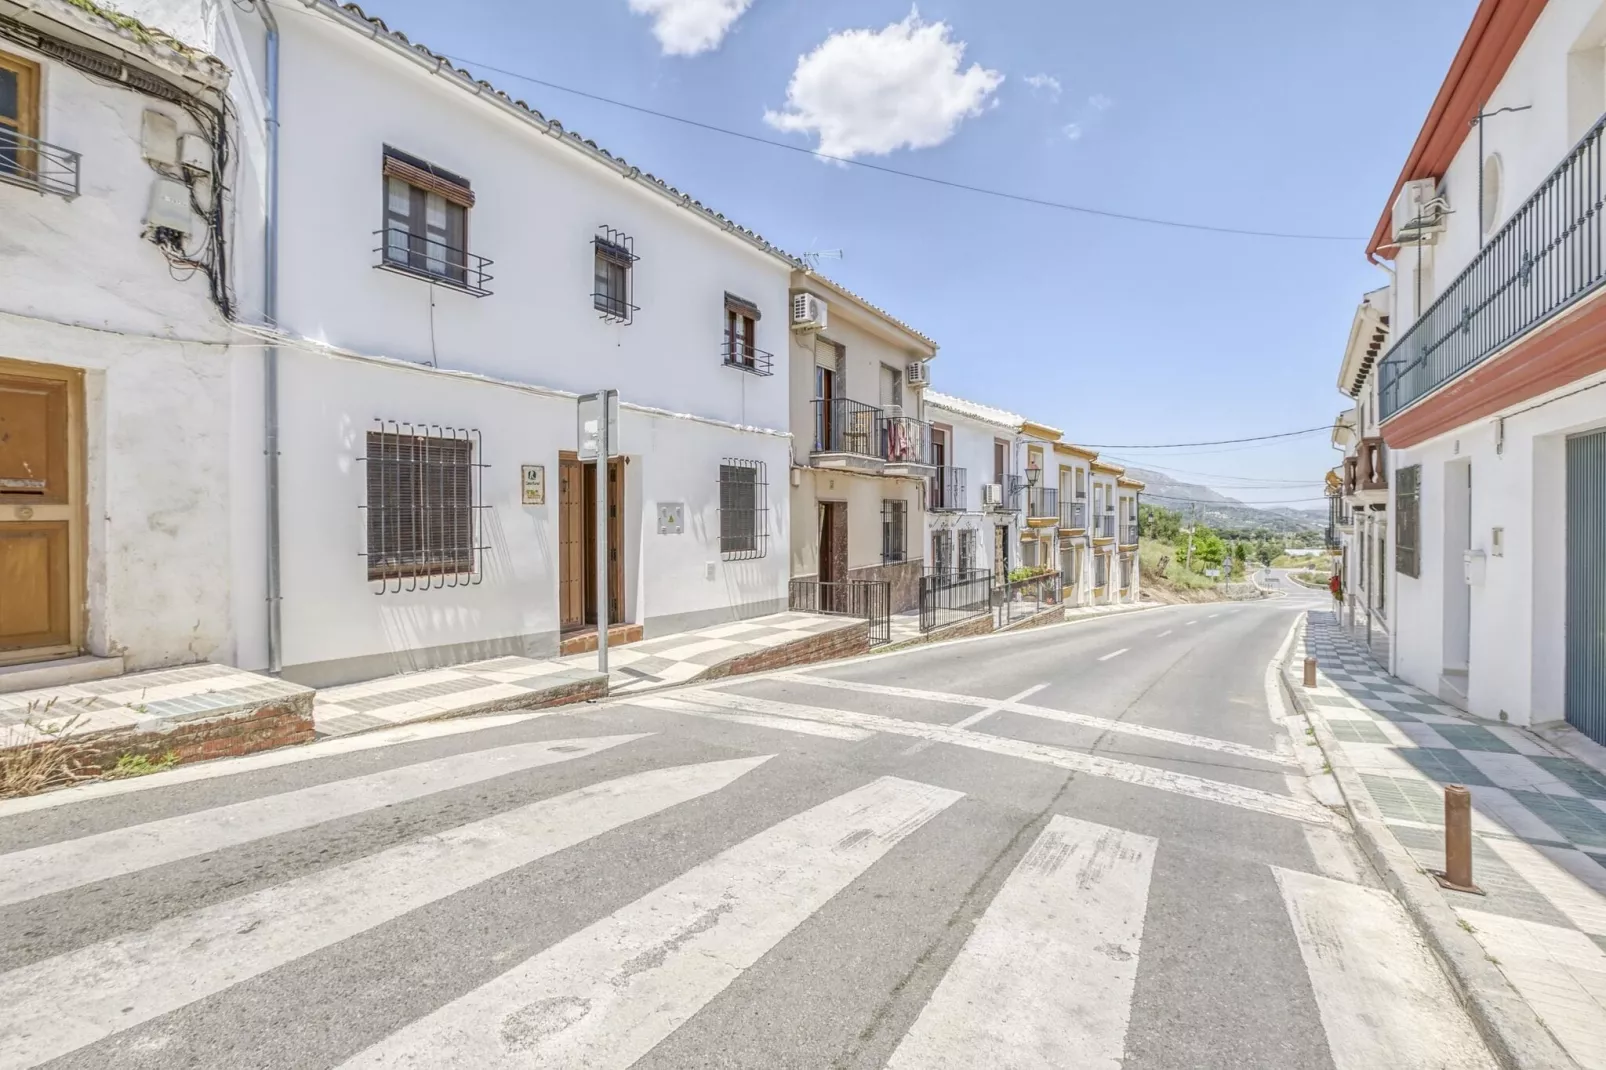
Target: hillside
1219,511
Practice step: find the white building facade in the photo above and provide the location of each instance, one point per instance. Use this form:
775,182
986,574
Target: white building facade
971,524
452,270
1492,395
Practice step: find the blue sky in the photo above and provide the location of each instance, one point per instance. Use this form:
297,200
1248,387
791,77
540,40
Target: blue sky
1259,114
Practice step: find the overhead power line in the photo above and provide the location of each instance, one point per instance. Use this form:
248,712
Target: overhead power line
1218,442
964,186
1252,505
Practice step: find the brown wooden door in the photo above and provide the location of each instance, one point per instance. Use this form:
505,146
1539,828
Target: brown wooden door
39,521
578,524
571,543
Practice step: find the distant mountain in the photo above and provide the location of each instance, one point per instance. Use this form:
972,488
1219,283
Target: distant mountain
1220,511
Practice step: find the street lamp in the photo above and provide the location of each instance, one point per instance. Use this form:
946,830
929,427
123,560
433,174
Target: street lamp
1033,474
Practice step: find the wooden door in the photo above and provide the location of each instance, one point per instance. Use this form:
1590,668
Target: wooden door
572,538
1000,554
587,582
40,521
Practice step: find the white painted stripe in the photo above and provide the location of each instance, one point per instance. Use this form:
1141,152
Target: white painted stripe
987,711
607,995
1213,616
63,1003
1165,633
56,867
1333,854
1382,997
757,720
1045,981
323,748
1191,622
1573,883
1114,654
1084,720
1075,761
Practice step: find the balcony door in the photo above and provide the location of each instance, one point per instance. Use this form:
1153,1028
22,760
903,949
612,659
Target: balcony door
825,390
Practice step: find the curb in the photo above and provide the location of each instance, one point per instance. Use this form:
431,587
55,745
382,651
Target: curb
1507,1024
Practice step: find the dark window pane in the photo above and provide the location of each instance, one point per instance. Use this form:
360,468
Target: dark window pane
10,96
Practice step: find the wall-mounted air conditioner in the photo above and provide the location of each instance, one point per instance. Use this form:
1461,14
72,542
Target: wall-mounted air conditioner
808,313
992,495
892,412
917,374
1419,213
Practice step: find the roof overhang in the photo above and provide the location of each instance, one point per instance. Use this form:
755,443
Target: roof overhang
865,315
1070,450
1368,337
1043,431
1344,429
96,29
1130,483
1499,27
1108,469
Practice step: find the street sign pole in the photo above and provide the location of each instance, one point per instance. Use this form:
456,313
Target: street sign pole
603,453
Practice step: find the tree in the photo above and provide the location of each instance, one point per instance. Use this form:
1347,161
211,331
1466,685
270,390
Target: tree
1160,523
1267,552
1208,547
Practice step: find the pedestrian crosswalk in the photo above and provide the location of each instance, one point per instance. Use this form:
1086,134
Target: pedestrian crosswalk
1050,975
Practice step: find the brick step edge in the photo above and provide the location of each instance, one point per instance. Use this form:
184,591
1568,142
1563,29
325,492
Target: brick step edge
1507,1023
845,642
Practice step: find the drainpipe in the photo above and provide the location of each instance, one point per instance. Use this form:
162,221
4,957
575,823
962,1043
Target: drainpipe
270,357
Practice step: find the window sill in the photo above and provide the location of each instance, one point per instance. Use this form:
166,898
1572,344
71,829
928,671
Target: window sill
444,281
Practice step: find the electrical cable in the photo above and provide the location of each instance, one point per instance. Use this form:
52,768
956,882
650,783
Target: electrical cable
1218,442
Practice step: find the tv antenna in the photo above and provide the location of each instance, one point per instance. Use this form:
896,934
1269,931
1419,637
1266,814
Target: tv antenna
813,259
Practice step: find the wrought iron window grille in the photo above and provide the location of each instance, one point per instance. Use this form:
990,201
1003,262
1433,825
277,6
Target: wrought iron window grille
425,494
38,165
614,276
432,260
743,510
1407,520
894,531
746,357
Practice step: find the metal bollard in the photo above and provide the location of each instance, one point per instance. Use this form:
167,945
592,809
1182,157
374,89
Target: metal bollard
1310,672
1457,873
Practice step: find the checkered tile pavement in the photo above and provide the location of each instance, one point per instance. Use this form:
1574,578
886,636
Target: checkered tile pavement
1539,824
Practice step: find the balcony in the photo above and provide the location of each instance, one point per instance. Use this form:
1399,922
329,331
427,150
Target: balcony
905,445
422,257
1042,506
847,434
1129,534
1366,481
1104,527
1546,258
1073,514
37,165
947,492
744,356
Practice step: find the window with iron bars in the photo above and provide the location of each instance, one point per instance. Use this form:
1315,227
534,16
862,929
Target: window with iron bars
894,515
942,550
967,550
615,256
743,510
1101,569
424,495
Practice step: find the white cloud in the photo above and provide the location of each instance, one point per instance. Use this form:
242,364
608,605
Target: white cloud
1073,131
875,91
1046,84
1100,102
687,27
1090,116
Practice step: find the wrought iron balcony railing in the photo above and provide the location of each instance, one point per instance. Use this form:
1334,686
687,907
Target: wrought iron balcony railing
1042,502
432,260
1073,514
843,426
947,491
905,440
37,165
1104,526
748,358
1548,255
1129,534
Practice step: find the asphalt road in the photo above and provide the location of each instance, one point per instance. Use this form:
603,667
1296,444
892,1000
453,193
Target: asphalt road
1087,845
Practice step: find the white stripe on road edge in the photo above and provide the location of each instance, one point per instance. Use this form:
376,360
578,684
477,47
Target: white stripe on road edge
61,1004
1084,720
1045,981
1213,616
607,995
1074,761
1115,654
1191,622
756,720
56,867
1382,997
221,767
992,708
1165,633
1333,854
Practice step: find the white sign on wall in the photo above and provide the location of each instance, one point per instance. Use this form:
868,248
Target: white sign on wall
590,410
533,482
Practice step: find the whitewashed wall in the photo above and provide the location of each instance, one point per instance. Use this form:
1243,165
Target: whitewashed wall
80,287
971,446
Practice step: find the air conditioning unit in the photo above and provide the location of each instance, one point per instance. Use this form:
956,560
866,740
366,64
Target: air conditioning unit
892,412
808,313
992,494
917,374
1419,213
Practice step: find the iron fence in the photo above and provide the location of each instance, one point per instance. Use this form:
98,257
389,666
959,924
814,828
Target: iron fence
37,165
1043,502
950,596
1026,597
843,426
947,491
1129,534
744,356
1073,514
905,440
869,600
1547,256
1104,526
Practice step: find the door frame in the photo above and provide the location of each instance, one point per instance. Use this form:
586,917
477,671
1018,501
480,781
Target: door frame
20,508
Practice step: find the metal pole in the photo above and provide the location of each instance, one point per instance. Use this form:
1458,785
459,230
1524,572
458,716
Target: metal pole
270,357
603,448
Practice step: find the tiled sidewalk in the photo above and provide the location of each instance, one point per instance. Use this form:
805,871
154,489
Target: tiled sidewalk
525,683
1539,824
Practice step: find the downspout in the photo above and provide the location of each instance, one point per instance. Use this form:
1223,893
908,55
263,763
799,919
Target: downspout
270,355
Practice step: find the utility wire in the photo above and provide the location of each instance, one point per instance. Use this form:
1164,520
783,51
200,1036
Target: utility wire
1218,442
966,187
1252,505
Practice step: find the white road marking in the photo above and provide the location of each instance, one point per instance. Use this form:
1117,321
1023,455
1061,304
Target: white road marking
1213,616
61,1004
1382,997
1045,981
988,710
1191,622
607,995
1330,850
1560,972
757,720
323,748
70,863
1165,633
1074,761
1083,720
1115,654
